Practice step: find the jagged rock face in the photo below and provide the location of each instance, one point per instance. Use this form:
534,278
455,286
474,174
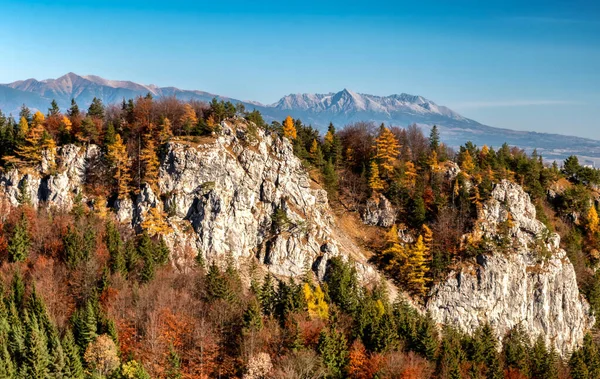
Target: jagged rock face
530,282
237,191
67,170
380,212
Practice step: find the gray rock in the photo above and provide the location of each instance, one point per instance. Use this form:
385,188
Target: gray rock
533,283
380,212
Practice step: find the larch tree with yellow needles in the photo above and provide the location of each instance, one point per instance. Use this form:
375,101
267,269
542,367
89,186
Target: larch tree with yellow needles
375,182
289,129
150,162
315,301
387,150
117,154
154,223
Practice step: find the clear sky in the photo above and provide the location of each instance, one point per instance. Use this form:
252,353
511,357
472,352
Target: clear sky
530,65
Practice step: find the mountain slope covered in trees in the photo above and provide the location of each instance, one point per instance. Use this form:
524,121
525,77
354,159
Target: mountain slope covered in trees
93,284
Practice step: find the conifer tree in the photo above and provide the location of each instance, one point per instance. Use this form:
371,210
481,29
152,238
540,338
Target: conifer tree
289,129
434,139
540,360
37,358
58,360
174,369
23,128
375,182
427,339
20,241
316,156
73,111
54,110
165,131
410,175
394,256
114,245
216,284
146,250
592,221
387,150
333,349
515,348
417,267
252,316
189,118
36,140
330,179
268,296
150,162
85,325
7,366
73,367
117,154
96,109
154,223
467,164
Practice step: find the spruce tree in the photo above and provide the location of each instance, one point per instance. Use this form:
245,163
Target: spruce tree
73,367
515,347
268,296
114,245
37,358
174,369
20,241
333,349
85,325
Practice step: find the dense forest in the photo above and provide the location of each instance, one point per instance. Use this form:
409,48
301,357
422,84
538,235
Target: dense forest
84,296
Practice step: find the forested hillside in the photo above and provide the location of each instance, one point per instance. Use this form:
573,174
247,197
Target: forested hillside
85,293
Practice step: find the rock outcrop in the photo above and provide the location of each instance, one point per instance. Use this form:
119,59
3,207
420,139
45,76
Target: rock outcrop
240,193
379,211
523,277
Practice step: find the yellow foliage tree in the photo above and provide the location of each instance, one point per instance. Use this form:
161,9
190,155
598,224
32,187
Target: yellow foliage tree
102,356
394,255
117,153
36,140
387,149
329,137
155,224
66,123
467,164
433,162
150,162
316,156
23,127
289,129
427,237
315,301
165,132
375,182
100,207
417,267
410,174
592,221
189,117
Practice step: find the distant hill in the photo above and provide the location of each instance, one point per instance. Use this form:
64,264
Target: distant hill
341,108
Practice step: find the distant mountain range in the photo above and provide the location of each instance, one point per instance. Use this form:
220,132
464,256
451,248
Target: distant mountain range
341,108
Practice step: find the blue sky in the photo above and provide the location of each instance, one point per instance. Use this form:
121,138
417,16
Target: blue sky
532,66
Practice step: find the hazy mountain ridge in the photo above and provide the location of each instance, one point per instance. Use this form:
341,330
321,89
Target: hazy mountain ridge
319,110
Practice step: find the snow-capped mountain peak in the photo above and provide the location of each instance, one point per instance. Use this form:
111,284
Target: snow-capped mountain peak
348,102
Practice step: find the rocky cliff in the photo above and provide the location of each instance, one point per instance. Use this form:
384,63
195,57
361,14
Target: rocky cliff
521,277
242,193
